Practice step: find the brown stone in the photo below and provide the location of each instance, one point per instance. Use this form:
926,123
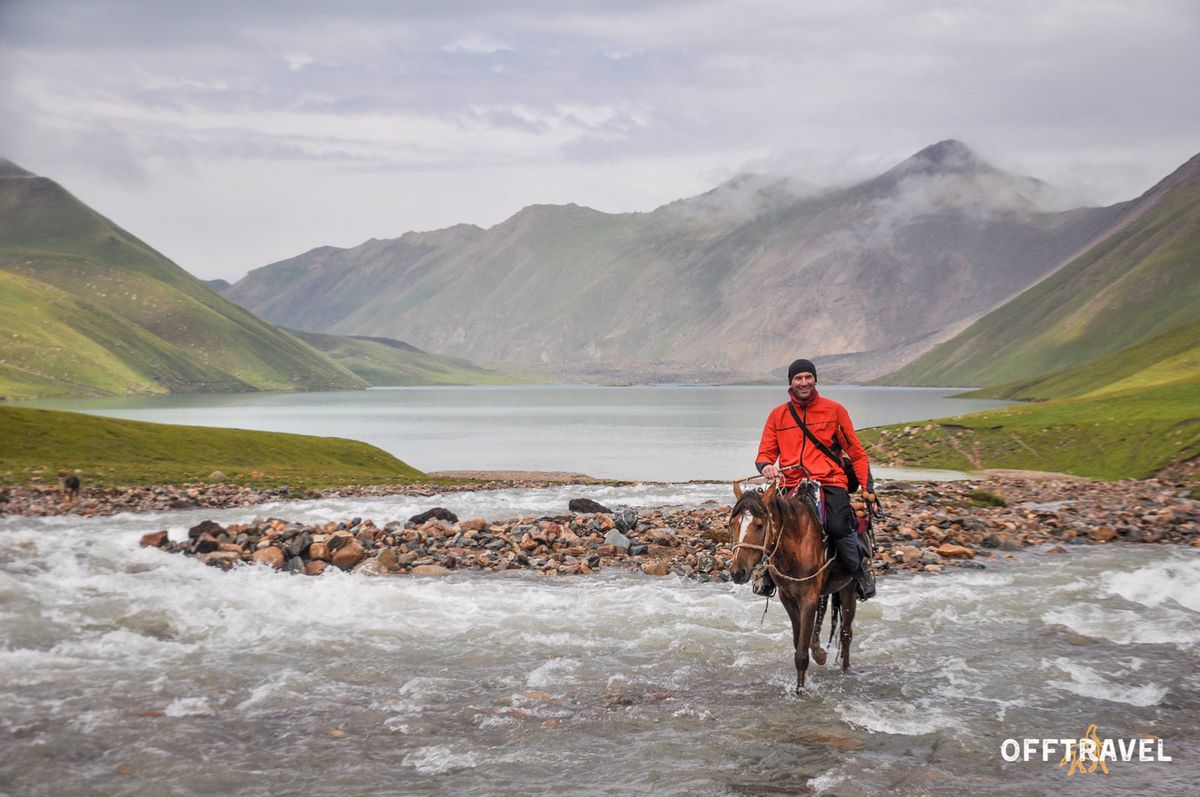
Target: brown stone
319,551
348,555
387,559
315,567
1102,534
473,524
155,539
952,551
269,556
430,570
656,567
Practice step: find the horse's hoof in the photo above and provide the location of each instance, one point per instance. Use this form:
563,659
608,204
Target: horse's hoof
818,656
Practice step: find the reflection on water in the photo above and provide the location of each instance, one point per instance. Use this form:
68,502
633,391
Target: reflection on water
664,433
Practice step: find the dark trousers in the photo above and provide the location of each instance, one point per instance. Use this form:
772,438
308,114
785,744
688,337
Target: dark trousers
839,525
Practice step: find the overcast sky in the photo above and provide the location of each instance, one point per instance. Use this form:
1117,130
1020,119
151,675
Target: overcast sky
230,134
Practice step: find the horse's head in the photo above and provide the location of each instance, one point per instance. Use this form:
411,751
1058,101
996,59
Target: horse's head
750,524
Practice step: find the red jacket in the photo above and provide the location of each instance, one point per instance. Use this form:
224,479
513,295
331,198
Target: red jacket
829,422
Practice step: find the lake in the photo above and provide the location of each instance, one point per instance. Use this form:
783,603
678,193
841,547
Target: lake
661,433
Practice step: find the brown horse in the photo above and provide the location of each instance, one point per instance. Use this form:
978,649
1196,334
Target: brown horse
783,533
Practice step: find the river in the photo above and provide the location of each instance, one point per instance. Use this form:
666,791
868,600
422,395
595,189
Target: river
133,671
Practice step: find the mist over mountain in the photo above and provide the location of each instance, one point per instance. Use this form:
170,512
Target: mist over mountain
733,283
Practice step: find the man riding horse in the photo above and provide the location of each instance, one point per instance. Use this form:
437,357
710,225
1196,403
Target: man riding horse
803,439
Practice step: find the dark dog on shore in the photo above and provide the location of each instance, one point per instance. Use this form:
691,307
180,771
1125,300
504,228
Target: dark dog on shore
68,483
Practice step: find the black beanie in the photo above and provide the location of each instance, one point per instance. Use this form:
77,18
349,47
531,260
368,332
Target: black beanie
800,366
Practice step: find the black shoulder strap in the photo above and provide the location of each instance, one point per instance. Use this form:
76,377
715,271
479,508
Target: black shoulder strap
820,446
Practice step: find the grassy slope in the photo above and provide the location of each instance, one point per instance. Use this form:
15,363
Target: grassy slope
1127,416
108,451
388,362
1170,357
1137,284
1124,434
188,338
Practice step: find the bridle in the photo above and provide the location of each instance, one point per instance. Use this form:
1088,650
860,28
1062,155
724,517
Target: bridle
769,555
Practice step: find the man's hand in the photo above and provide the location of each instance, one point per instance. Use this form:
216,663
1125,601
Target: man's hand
770,472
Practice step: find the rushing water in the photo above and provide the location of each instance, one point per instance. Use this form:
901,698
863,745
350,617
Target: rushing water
132,671
667,433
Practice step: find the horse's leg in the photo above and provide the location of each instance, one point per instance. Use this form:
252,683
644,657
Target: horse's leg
803,611
818,652
849,605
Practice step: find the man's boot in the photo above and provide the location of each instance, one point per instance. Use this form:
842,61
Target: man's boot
864,580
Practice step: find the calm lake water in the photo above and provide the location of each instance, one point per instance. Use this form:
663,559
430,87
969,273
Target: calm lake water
664,433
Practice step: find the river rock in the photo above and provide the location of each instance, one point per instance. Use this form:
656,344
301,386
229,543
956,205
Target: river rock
656,567
617,540
348,555
437,513
315,568
951,551
430,570
587,506
155,539
1102,533
626,520
205,527
271,556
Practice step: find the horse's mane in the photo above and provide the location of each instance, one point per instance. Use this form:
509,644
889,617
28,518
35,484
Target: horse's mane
789,509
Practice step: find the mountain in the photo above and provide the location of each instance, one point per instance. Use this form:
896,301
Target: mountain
733,283
1137,284
88,309
387,362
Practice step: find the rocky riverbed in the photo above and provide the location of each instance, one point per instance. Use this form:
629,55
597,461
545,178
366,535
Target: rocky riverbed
43,501
929,527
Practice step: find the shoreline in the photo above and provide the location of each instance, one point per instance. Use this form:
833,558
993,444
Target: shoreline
929,527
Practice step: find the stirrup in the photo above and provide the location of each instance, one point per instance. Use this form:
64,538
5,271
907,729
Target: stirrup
761,582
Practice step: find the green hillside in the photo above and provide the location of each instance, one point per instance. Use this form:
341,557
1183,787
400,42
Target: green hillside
1138,283
1125,434
1171,357
92,310
383,361
111,452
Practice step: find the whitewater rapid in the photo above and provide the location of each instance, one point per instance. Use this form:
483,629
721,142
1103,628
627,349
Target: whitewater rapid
126,670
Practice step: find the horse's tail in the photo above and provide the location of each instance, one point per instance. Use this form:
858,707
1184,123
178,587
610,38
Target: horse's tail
835,615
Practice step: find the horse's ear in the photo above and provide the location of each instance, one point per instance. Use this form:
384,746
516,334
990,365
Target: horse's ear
770,493
737,490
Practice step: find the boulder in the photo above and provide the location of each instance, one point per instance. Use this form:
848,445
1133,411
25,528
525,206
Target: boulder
315,568
626,520
473,524
587,506
438,513
205,527
155,539
271,556
617,540
430,570
656,567
348,555
951,551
